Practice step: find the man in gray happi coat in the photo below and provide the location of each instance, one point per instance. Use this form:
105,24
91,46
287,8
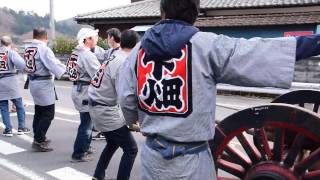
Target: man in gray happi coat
42,67
106,114
9,62
169,83
81,68
113,40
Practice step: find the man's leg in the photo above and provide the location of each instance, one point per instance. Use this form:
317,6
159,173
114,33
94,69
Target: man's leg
89,132
41,123
83,139
130,149
45,121
4,107
105,156
21,115
36,120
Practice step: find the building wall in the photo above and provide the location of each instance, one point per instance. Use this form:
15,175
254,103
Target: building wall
307,71
260,31
103,29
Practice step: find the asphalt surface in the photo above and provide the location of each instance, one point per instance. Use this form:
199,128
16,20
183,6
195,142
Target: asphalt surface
18,161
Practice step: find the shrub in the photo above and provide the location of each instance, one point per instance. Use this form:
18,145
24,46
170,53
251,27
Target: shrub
103,43
64,45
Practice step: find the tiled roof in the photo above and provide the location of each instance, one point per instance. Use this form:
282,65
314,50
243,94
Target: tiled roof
254,20
217,4
150,8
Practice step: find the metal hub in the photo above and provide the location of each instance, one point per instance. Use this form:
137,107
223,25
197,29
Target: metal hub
270,171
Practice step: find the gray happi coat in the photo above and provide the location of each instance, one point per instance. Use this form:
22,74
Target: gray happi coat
9,61
87,65
42,62
103,90
215,59
100,53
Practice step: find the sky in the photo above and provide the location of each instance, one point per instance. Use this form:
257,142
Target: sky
64,9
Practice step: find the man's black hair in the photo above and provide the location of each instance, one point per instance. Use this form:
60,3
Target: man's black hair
129,39
39,33
115,33
184,10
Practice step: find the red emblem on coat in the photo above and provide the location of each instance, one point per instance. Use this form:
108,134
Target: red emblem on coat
165,87
4,61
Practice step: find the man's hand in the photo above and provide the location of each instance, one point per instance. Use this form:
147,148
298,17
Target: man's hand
134,127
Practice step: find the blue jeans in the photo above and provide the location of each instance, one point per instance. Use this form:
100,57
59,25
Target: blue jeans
4,106
83,139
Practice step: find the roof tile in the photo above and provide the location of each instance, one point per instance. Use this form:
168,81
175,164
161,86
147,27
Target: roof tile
150,8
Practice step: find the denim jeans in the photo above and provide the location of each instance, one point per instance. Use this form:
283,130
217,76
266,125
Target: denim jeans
122,138
43,116
83,139
4,106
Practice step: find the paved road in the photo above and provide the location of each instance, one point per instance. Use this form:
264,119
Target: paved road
18,161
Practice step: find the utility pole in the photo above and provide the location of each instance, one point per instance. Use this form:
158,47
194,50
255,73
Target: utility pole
52,25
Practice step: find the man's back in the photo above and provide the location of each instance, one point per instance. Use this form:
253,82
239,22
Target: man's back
169,85
176,96
103,84
103,91
85,64
9,62
41,61
41,65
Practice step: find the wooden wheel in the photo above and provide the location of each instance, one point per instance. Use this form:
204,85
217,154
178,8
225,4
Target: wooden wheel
237,157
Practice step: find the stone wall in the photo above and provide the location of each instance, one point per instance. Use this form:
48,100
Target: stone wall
308,71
